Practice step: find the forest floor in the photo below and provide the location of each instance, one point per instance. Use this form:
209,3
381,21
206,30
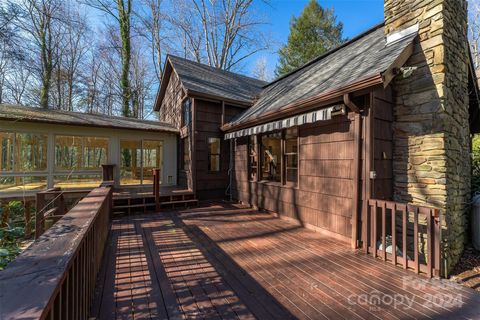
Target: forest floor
467,270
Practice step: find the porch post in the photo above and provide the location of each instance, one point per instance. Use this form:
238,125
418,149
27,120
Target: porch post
50,160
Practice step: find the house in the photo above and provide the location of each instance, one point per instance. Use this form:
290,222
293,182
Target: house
364,143
386,116
198,100
369,144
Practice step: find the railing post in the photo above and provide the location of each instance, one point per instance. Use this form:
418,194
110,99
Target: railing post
28,218
156,188
39,208
107,172
437,242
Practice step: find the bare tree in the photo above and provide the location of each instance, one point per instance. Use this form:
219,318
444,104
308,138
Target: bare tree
187,27
141,85
40,16
260,69
76,48
152,28
18,82
8,39
230,31
122,13
474,30
92,83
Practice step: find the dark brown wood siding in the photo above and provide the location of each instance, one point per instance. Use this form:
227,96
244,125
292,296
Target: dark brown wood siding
171,109
383,144
208,115
324,196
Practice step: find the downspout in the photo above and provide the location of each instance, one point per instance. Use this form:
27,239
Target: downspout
228,192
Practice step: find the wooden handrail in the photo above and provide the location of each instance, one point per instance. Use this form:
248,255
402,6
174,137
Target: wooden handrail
49,199
383,226
55,277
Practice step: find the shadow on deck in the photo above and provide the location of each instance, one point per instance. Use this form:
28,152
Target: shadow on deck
226,261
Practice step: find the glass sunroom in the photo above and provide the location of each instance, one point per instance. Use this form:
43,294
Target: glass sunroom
37,153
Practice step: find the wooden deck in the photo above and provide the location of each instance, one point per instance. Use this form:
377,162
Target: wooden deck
222,262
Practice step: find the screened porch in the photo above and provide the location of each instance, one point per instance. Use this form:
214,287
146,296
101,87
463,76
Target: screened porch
39,156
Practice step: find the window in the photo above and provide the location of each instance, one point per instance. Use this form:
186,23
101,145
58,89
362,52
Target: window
32,150
271,156
186,154
130,162
6,151
68,152
214,154
291,155
78,161
253,157
278,151
23,161
95,152
186,112
80,153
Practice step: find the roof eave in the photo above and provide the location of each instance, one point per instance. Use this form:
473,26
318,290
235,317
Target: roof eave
308,103
163,84
197,94
165,130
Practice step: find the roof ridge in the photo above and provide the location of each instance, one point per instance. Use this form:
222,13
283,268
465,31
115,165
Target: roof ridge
329,52
215,69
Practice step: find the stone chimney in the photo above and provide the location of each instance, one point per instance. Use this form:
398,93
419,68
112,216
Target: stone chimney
432,138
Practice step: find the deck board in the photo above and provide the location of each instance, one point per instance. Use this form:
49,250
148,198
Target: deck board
222,261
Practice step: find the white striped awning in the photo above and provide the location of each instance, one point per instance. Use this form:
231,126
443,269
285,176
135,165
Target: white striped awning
298,120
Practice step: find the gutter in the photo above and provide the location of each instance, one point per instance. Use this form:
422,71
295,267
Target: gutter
308,103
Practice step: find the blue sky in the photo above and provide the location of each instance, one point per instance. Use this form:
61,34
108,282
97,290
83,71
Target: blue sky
356,15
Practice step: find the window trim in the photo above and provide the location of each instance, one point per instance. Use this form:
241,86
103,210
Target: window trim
219,154
250,157
283,160
186,101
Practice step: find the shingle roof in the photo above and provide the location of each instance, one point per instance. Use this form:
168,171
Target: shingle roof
31,114
201,78
365,56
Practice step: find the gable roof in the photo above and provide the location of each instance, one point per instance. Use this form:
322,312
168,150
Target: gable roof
370,57
204,80
31,114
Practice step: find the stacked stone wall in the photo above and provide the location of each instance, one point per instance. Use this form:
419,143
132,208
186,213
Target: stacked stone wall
431,131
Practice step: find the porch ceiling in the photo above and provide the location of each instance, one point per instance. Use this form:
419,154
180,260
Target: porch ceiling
224,261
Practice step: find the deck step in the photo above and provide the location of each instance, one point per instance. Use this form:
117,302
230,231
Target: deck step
178,202
123,204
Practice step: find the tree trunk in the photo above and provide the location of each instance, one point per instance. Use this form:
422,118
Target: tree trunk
124,18
47,68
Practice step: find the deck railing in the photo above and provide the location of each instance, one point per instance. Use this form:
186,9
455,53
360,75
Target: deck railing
405,235
55,277
52,204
